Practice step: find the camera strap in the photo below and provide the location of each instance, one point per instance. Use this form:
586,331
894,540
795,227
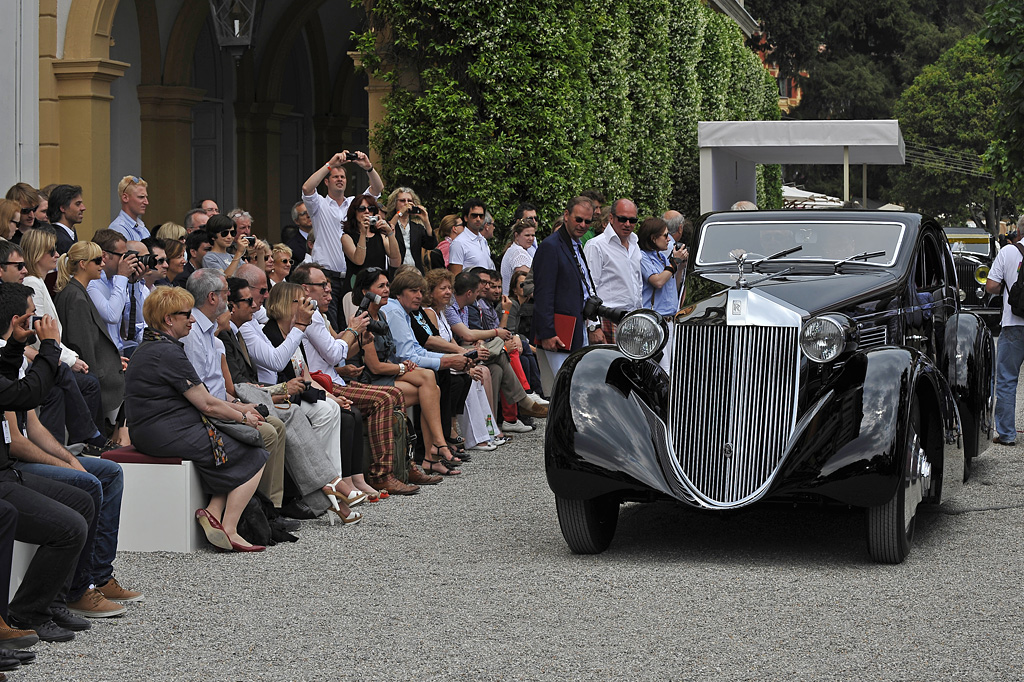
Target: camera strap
581,265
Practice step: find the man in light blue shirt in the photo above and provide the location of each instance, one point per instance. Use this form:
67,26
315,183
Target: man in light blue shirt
203,348
134,200
109,293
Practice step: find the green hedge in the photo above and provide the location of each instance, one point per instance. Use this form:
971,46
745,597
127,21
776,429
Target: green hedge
538,100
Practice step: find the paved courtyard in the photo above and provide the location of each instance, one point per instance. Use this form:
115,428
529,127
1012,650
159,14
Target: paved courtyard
471,580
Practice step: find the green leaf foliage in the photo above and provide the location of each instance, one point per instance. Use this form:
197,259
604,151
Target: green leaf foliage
1005,36
539,100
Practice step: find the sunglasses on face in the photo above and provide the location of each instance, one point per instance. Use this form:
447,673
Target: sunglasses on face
98,260
30,209
476,215
286,261
364,208
52,252
115,253
244,300
161,261
186,313
20,265
582,221
263,291
225,233
624,219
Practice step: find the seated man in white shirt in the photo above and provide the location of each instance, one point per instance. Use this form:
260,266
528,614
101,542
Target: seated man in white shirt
326,351
206,353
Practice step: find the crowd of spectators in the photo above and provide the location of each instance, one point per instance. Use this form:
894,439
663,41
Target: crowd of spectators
265,363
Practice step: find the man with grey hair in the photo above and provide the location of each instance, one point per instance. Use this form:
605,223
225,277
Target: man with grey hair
744,205
195,219
205,351
297,242
674,220
243,221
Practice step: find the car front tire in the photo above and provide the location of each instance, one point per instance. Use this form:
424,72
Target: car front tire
588,526
890,532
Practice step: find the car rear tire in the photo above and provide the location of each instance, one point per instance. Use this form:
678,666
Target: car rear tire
972,440
588,526
890,533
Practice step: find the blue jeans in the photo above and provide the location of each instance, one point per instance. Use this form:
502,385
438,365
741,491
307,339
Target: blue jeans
1010,357
104,482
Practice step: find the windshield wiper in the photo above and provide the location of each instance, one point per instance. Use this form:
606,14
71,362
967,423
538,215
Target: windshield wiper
780,254
860,256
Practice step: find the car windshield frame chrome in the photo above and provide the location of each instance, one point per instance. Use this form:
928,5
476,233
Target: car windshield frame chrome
893,256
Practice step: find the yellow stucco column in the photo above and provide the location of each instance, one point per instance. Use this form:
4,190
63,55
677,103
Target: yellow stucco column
376,91
83,95
166,115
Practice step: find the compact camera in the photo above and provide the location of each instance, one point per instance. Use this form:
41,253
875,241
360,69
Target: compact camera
351,156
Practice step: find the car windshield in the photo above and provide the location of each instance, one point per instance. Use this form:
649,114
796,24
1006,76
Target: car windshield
825,241
974,246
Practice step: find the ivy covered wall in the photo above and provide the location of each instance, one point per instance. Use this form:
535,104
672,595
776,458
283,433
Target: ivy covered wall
538,100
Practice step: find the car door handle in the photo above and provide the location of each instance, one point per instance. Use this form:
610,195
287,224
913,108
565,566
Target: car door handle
916,337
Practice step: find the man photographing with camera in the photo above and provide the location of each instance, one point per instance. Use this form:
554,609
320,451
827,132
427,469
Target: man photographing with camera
328,213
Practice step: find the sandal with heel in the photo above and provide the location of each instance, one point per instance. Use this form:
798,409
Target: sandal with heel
442,466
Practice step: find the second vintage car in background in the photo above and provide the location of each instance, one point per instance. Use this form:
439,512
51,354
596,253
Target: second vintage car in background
974,249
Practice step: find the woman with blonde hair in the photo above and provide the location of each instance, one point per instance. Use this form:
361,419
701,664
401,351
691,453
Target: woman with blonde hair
170,414
451,227
171,230
279,265
84,331
412,226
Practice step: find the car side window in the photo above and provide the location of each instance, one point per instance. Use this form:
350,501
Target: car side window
928,270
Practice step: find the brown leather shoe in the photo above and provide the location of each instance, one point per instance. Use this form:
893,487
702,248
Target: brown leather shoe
14,638
418,476
394,486
531,408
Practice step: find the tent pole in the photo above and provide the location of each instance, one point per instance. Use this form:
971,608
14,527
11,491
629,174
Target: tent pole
846,173
864,184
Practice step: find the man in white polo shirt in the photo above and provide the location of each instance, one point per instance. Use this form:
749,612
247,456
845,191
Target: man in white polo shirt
328,214
614,261
470,248
1010,352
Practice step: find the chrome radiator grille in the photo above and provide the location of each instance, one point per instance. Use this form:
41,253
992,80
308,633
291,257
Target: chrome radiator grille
732,407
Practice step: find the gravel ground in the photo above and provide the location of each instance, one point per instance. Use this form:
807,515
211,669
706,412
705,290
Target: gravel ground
471,580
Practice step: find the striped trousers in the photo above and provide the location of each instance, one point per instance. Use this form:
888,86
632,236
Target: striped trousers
378,404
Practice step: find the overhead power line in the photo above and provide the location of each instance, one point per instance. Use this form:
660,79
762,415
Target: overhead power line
946,159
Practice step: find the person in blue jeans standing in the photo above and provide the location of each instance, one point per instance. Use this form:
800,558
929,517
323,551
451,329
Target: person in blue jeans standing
1010,350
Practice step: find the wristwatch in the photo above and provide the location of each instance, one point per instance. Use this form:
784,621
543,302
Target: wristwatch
401,368
592,326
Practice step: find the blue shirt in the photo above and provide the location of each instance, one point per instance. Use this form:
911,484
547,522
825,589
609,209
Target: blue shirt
110,296
407,348
666,299
133,230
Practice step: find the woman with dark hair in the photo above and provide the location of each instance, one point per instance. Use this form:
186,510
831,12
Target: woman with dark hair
174,250
382,367
367,239
660,274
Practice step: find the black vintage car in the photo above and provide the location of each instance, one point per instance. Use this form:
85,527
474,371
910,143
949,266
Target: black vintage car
817,357
974,249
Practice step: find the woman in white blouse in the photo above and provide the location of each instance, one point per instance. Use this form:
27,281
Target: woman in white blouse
39,248
517,257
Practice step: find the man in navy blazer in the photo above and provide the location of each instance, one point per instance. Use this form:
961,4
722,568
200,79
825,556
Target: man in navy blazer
562,283
65,210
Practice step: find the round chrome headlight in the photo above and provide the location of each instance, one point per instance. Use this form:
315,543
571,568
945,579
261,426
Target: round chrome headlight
641,334
824,338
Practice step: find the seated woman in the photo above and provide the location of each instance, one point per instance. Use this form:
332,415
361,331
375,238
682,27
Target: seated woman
367,247
171,231
168,410
474,412
225,235
279,265
332,416
382,367
83,330
176,259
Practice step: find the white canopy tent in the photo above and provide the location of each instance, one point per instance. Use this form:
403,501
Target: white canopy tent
730,151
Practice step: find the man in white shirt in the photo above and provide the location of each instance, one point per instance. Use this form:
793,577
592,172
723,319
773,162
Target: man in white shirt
134,200
1010,352
206,353
325,351
328,214
614,261
470,248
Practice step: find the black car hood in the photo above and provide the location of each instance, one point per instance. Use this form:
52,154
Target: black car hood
813,293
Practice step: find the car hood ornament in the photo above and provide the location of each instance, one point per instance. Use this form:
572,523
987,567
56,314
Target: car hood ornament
740,256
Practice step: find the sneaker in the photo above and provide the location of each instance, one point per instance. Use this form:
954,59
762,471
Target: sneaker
114,592
50,632
499,440
67,620
517,427
94,605
485,447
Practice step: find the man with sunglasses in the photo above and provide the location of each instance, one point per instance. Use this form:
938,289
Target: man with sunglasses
328,213
470,249
134,200
561,284
614,260
28,198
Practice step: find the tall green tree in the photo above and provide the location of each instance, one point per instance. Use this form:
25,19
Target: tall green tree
1005,35
953,109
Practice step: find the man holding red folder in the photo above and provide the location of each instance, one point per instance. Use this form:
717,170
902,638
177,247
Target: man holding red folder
562,283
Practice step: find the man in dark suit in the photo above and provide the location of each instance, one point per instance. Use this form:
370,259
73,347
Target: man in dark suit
197,245
562,284
66,210
297,241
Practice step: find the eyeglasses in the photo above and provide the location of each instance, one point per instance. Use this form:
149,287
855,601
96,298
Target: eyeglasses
244,300
303,214
18,264
325,284
625,219
582,221
286,261
98,260
225,233
364,208
186,313
115,253
373,271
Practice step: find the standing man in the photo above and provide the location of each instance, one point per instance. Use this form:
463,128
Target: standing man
470,250
597,199
561,284
297,243
327,214
134,200
66,209
195,219
614,260
1010,352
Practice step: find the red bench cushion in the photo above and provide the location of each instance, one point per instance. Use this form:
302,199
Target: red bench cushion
130,455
